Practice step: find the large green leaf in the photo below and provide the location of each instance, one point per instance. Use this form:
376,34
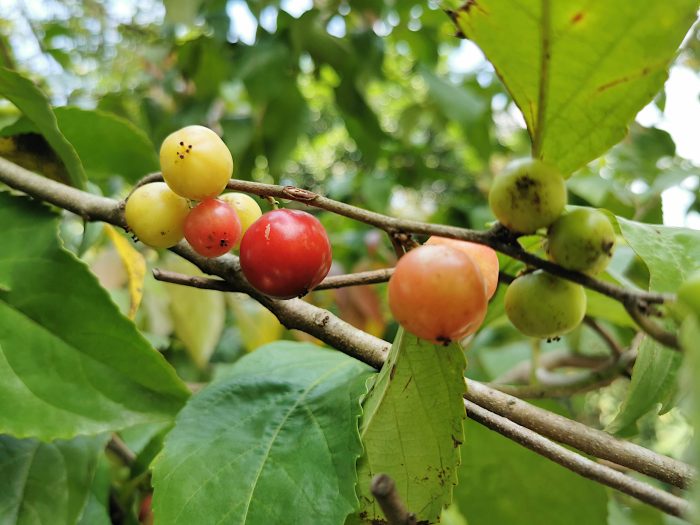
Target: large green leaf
670,254
35,106
107,144
274,440
42,483
579,70
412,427
70,363
501,482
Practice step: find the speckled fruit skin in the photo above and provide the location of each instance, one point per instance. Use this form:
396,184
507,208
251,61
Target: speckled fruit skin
246,208
527,196
581,240
689,293
156,215
212,228
285,253
485,258
195,162
437,293
541,305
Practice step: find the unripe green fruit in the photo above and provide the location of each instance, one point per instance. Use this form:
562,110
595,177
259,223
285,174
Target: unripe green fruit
542,305
582,240
689,293
527,196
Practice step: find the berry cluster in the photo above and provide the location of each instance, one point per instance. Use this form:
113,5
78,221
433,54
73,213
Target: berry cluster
284,253
531,195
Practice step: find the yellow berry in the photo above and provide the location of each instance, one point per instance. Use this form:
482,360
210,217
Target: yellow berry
156,215
246,208
195,162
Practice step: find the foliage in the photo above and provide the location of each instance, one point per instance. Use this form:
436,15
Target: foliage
374,104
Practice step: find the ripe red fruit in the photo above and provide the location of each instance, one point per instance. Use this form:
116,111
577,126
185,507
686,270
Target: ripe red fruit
212,228
285,253
437,292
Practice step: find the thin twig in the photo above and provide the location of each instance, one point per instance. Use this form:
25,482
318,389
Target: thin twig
520,373
581,465
193,281
615,347
336,281
119,449
586,439
356,279
559,385
667,339
384,490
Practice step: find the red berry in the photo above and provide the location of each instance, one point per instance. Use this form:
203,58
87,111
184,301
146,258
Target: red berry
285,253
212,228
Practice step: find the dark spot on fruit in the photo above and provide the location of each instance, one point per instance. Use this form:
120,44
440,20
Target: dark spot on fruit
182,156
524,184
182,143
190,146
223,243
607,246
577,17
444,341
162,233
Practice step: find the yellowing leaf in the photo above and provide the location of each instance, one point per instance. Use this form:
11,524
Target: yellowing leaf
258,326
134,264
198,315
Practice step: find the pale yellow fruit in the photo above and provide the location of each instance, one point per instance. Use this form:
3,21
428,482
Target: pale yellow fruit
195,162
246,208
156,215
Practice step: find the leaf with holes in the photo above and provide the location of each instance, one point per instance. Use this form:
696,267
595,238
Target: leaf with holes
581,69
272,441
46,482
412,427
70,363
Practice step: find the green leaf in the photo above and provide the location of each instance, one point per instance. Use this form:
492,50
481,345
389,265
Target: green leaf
502,482
107,144
96,509
689,337
578,70
70,363
653,384
35,106
273,441
198,315
44,483
670,254
412,427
